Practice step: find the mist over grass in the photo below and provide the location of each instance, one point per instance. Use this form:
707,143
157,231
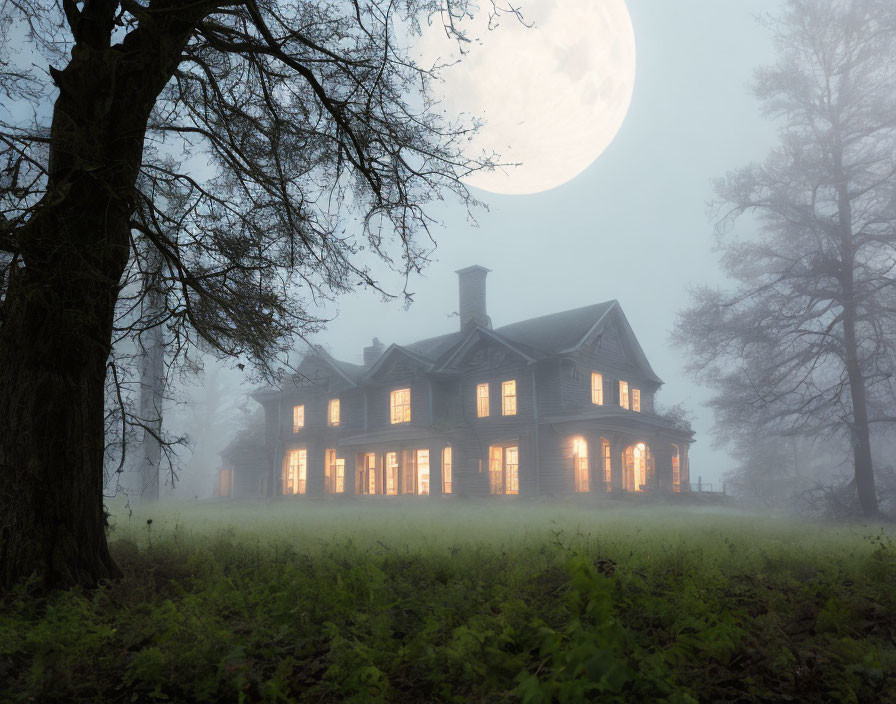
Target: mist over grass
408,600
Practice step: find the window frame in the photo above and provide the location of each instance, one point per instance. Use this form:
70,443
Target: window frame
482,400
298,417
399,411
597,389
447,467
508,401
334,403
624,397
636,400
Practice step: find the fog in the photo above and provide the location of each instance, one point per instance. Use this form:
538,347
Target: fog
633,227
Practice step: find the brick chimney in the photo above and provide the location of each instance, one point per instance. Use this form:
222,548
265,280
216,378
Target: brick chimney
373,353
472,296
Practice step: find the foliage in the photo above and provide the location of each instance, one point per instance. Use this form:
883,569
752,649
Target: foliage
476,603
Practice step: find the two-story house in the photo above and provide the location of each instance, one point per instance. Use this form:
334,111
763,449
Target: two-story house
556,405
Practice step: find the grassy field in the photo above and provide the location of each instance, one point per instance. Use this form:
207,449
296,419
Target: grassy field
465,602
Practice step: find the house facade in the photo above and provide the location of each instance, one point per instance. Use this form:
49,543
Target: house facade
557,405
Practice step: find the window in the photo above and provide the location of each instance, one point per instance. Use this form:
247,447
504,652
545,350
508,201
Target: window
636,400
333,413
580,464
295,474
597,389
623,394
298,418
508,398
225,482
676,469
482,400
367,483
334,473
503,469
446,470
391,473
608,467
400,405
422,471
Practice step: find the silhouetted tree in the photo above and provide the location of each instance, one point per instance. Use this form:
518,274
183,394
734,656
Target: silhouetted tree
255,146
804,343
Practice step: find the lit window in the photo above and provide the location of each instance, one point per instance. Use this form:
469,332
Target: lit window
508,398
608,472
298,418
333,413
676,469
446,470
503,469
636,399
334,473
597,389
623,394
580,463
295,474
400,405
368,474
482,400
391,473
422,471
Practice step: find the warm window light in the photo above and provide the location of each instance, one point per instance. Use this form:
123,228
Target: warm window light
508,398
333,413
608,472
391,473
422,472
597,389
636,399
446,470
676,469
503,466
482,400
298,418
295,474
368,485
400,405
580,463
623,394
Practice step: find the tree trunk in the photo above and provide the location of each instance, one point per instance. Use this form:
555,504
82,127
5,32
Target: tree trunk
152,389
54,344
56,320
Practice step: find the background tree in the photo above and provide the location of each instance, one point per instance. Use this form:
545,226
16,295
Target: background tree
256,146
804,343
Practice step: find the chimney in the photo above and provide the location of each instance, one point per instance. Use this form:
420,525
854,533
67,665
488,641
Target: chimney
472,296
373,353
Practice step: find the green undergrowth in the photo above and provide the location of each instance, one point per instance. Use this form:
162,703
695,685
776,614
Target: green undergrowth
453,602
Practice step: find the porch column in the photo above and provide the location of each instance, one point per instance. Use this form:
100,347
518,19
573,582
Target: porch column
617,445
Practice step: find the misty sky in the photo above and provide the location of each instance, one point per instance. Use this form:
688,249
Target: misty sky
634,226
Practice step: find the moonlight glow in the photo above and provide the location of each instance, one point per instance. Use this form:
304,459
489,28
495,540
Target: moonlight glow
553,96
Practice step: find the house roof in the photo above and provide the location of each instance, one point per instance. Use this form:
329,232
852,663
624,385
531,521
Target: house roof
536,338
558,332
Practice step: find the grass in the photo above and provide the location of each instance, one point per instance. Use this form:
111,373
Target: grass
475,602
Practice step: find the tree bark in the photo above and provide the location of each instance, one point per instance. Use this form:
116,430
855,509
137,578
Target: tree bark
152,389
56,320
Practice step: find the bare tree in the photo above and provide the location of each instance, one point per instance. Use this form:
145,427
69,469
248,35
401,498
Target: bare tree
256,146
804,343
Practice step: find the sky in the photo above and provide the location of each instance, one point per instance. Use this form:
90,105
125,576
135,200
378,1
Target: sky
634,226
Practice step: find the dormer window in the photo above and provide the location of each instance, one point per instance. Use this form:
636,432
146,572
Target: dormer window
298,418
636,400
400,406
333,413
508,398
623,394
597,389
482,400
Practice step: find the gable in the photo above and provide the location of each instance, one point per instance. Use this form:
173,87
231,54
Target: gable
484,349
397,364
317,374
614,340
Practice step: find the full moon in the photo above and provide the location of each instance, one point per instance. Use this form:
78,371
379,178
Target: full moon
552,96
